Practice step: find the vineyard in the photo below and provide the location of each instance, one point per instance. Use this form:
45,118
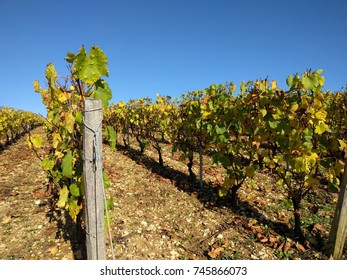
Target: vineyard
15,123
222,173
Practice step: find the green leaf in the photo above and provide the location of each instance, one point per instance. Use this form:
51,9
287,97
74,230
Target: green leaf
66,165
250,171
327,163
288,203
289,81
221,159
79,61
99,58
70,57
311,181
308,83
102,92
107,183
63,197
74,190
109,204
222,138
47,163
89,68
51,75
263,112
79,117
112,137
334,188
273,124
220,130
223,191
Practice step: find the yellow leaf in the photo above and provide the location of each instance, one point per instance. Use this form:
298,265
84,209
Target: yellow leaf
321,115
313,158
58,154
317,104
250,196
321,128
205,114
74,209
271,164
294,107
70,122
35,140
56,140
61,97
263,112
273,84
37,87
343,145
321,81
304,101
339,166
63,197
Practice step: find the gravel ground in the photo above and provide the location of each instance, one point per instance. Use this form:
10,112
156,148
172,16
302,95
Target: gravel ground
158,213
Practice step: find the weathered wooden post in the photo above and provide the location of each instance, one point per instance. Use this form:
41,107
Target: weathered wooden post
338,231
93,180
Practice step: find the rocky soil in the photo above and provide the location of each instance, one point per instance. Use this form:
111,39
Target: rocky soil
158,213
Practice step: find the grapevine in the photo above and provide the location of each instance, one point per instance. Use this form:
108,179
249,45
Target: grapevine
64,99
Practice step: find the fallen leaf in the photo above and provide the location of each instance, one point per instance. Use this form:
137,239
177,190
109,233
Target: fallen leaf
281,246
300,247
307,244
317,227
53,250
259,236
256,229
286,247
214,253
219,250
264,240
6,220
272,240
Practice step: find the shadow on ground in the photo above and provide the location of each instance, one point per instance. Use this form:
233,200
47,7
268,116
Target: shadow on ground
208,195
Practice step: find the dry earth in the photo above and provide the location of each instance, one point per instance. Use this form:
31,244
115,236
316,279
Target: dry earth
157,213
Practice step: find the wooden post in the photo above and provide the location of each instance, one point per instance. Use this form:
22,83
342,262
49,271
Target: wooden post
93,180
338,231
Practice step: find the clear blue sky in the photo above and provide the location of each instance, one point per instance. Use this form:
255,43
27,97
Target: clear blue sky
171,47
